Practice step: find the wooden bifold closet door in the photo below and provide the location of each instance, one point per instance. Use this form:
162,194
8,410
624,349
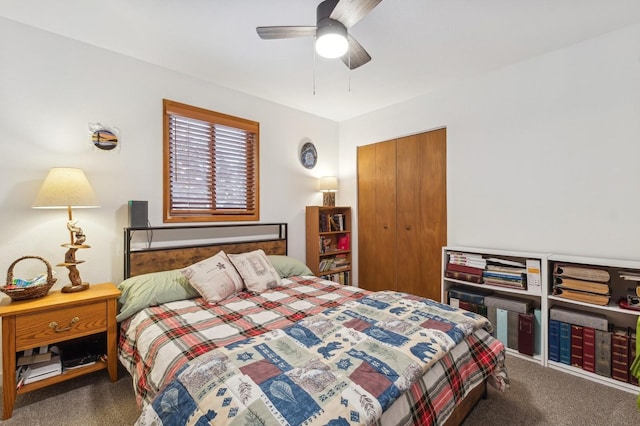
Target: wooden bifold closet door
402,214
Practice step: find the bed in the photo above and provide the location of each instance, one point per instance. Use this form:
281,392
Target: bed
302,351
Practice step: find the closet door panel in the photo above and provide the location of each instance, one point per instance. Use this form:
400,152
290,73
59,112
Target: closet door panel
366,216
421,205
386,245
376,216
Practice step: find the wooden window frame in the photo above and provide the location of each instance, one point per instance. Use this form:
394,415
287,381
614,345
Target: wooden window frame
171,214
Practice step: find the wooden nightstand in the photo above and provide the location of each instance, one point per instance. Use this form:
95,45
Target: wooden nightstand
30,324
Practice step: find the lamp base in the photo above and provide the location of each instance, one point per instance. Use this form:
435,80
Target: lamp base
74,288
329,199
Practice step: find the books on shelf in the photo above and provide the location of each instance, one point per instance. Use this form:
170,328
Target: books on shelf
582,296
582,284
581,272
577,344
589,349
332,222
585,319
620,355
603,353
40,371
513,304
526,334
468,259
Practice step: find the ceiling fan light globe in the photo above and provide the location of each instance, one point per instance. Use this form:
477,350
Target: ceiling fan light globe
331,45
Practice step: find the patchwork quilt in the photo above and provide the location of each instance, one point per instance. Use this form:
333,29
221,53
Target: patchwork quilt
157,341
345,365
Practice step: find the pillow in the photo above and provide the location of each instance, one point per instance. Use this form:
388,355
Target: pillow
152,289
215,278
256,270
289,266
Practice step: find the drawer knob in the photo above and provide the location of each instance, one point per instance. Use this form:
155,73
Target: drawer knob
55,327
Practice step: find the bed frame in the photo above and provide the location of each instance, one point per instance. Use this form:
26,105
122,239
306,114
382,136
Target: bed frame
185,245
180,246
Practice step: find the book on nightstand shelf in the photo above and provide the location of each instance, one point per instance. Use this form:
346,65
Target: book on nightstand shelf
42,370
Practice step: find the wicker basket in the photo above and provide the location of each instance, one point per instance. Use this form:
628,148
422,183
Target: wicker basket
32,292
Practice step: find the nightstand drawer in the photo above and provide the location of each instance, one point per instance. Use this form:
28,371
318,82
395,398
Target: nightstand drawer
47,327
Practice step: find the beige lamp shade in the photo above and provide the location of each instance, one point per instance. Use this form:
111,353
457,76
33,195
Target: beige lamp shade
65,187
328,184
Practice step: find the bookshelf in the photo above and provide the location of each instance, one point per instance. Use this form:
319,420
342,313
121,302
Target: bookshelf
617,318
614,321
328,236
532,295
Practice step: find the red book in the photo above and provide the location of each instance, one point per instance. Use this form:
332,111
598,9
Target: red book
589,349
620,355
577,344
464,268
464,276
468,306
526,334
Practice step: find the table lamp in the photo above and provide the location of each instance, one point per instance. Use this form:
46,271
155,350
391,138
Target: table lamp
68,188
329,187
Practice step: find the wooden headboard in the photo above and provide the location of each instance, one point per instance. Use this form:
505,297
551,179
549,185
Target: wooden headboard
179,246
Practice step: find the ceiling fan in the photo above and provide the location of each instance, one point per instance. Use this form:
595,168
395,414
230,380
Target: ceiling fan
333,18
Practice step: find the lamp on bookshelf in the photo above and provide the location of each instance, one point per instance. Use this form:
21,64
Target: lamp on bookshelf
328,186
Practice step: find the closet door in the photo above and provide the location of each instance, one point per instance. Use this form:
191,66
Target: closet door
421,212
377,216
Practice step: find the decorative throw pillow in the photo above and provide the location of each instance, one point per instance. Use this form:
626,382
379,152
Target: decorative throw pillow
152,289
256,270
288,266
215,278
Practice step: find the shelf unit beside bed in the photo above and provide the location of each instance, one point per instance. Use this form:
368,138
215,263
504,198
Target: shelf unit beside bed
532,294
329,242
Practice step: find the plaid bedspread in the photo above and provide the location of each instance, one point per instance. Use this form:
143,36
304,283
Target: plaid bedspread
155,343
345,365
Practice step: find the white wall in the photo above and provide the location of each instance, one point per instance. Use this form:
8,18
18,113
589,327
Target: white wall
51,88
542,156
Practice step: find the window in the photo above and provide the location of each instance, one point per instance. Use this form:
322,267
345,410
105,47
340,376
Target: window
210,165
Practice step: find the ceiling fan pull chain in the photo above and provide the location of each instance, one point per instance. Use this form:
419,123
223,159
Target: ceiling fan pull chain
349,69
314,73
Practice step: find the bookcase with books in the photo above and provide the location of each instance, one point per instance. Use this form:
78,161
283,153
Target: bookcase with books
585,310
328,237
506,287
594,306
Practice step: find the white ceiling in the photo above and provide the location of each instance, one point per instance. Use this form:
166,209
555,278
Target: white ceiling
416,45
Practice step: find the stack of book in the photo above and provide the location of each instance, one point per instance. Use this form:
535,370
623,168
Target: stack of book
583,284
340,261
465,267
505,273
517,324
588,341
35,367
325,264
514,321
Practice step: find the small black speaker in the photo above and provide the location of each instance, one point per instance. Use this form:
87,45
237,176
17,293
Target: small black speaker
138,214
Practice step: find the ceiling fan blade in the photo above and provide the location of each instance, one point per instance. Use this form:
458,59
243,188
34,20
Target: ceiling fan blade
351,11
356,55
268,33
